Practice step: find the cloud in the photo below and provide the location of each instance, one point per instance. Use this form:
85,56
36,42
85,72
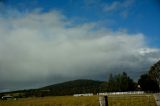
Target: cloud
37,49
123,7
116,5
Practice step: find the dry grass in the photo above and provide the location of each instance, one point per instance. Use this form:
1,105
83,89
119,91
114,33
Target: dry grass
53,101
131,100
121,100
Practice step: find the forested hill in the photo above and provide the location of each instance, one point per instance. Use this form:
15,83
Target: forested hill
119,82
74,87
65,88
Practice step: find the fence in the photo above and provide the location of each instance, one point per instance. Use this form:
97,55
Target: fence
87,94
121,93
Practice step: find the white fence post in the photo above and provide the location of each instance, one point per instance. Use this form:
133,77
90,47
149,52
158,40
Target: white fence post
103,100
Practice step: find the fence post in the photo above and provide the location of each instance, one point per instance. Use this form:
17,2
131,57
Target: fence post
103,100
106,100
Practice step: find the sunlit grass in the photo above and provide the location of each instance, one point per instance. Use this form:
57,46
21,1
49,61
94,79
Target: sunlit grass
131,100
118,100
54,101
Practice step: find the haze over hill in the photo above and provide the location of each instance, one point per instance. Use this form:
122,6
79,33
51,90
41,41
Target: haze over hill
81,86
60,89
44,42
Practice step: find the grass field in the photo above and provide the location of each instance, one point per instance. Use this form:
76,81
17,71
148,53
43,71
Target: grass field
121,100
131,100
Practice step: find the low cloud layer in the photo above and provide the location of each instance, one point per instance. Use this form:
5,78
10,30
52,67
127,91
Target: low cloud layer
37,49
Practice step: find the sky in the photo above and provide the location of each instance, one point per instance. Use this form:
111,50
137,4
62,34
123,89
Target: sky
44,42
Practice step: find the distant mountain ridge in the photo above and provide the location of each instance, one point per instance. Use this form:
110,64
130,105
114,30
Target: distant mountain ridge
117,83
60,89
74,87
76,83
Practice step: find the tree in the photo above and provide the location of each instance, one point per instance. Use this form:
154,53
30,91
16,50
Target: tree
120,82
148,84
154,72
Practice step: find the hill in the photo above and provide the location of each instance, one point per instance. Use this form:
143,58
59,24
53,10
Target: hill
73,87
65,88
116,83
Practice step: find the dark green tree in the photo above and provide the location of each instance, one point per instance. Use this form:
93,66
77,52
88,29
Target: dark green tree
148,84
154,72
120,82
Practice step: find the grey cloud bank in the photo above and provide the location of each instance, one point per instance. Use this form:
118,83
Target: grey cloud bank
44,48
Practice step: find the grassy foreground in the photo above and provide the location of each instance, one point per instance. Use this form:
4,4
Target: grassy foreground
53,101
131,100
121,100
